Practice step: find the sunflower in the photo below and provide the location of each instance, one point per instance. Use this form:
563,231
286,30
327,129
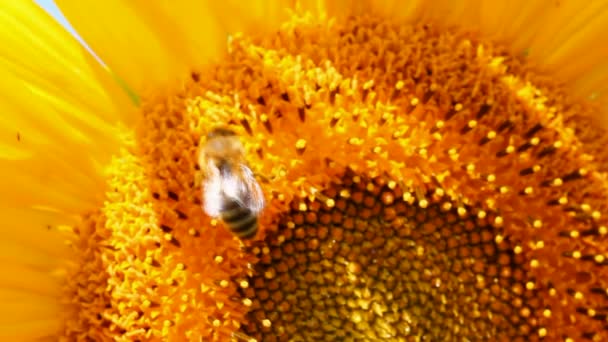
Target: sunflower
433,171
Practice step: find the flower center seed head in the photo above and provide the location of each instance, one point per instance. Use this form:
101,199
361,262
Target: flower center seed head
372,268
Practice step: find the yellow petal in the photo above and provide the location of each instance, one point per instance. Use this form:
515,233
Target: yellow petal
19,254
61,112
404,11
249,16
29,280
186,28
35,228
121,37
197,31
40,52
343,8
61,146
27,309
31,330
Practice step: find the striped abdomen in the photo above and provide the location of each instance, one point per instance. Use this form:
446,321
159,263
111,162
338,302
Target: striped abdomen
239,219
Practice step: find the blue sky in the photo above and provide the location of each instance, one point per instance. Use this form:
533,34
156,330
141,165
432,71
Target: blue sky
49,6
53,10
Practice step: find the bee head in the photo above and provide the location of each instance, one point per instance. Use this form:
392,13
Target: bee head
220,132
223,145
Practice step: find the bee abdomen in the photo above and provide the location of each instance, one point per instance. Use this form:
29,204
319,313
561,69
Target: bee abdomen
239,219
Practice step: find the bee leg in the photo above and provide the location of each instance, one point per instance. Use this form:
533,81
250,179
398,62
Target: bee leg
238,336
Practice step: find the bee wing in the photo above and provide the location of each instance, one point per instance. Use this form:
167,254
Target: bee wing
212,194
239,185
246,189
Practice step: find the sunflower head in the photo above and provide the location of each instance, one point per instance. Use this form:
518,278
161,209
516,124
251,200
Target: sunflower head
422,180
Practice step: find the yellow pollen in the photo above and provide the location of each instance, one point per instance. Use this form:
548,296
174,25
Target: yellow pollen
407,197
498,221
345,193
301,144
599,258
446,206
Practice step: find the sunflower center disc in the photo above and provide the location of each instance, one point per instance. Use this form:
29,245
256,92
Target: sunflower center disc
377,267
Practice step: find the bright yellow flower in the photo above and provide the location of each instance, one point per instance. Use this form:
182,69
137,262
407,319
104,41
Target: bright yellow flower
434,170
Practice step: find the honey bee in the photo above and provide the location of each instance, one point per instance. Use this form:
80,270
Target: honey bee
230,190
